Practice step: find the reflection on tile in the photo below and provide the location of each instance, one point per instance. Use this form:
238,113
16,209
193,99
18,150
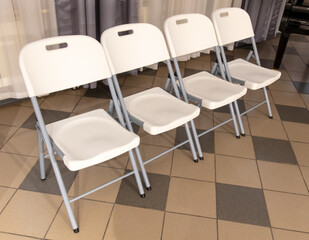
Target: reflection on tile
273,150
282,177
241,204
293,114
192,197
91,216
280,234
237,171
288,211
184,227
144,223
17,216
33,182
155,199
184,167
239,231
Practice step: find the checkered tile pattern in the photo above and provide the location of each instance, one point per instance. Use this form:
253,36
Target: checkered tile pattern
255,187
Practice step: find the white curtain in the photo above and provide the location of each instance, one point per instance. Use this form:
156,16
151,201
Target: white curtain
21,22
156,11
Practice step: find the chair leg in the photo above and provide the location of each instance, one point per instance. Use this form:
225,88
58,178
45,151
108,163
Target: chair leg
242,130
197,142
41,155
234,120
270,114
137,176
142,167
191,143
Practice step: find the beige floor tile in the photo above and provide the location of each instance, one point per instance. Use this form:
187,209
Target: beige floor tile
198,65
239,231
166,139
27,102
297,131
229,127
237,171
60,102
91,216
14,115
285,76
5,196
204,120
191,197
183,166
87,104
14,168
288,211
287,98
93,177
29,213
8,236
305,172
24,142
301,151
161,165
280,234
80,91
283,86
282,177
118,162
159,82
305,98
5,133
133,223
162,71
127,90
184,227
257,95
142,81
228,144
267,128
261,111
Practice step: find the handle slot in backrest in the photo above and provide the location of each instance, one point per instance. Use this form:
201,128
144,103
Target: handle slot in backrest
56,46
125,33
224,14
181,21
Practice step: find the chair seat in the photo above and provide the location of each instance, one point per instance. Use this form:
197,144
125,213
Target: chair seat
213,91
159,111
90,138
254,76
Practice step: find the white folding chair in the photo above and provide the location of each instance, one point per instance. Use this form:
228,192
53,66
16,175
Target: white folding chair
133,46
59,63
189,33
234,24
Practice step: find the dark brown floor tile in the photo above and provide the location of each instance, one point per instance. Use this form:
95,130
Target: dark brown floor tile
101,91
293,114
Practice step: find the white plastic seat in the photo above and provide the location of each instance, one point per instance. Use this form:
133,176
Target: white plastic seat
133,46
59,63
159,111
232,25
189,33
254,76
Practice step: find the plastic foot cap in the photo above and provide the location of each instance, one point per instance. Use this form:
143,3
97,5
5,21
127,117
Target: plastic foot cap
243,134
43,179
143,195
76,230
238,136
202,158
148,188
195,160
271,117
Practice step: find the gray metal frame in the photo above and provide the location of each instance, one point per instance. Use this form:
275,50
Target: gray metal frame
52,149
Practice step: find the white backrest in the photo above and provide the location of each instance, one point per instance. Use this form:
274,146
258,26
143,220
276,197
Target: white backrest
131,46
59,63
188,33
231,25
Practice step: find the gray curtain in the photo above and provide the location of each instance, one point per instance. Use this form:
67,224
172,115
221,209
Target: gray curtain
92,17
264,15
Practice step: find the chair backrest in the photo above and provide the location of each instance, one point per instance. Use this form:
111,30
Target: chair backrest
131,46
188,33
58,63
231,25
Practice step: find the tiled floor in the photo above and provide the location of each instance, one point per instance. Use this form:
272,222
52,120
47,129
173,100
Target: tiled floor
255,187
